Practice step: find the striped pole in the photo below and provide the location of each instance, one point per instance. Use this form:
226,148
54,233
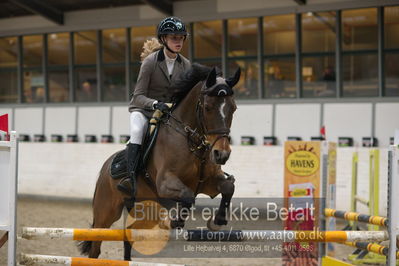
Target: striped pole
29,259
371,247
355,216
95,234
202,235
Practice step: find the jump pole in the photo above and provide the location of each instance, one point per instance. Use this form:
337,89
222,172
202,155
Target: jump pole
201,235
371,247
358,217
30,259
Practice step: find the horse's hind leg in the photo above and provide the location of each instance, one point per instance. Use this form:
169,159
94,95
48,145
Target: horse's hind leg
105,217
107,209
127,248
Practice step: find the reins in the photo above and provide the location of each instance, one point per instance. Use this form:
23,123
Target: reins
197,140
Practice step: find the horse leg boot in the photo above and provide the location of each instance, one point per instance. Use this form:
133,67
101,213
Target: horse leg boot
128,184
226,187
127,246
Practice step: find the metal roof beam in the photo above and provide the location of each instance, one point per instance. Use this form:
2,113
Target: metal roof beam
163,6
42,9
300,2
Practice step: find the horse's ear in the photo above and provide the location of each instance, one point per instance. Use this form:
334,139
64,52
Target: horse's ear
233,80
211,79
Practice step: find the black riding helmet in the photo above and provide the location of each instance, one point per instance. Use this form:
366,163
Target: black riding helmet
171,25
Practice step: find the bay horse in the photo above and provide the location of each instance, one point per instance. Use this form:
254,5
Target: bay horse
192,144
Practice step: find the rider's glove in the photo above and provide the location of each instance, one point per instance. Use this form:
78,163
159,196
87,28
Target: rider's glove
163,107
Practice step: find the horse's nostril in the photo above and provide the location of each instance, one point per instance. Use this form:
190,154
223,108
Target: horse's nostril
217,154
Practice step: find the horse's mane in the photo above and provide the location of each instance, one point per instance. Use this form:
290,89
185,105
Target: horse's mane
188,79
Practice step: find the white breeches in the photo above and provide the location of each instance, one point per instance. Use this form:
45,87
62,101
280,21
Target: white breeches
138,127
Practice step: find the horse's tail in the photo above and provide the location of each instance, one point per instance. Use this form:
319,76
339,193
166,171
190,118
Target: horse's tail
149,47
85,246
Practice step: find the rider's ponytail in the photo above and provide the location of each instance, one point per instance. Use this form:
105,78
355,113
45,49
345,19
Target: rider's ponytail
149,47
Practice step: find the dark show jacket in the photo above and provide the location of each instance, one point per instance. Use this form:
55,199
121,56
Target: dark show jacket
153,82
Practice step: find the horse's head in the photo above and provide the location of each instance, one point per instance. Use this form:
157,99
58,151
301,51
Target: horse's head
216,106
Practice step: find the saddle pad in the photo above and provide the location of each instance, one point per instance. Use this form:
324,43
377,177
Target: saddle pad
119,165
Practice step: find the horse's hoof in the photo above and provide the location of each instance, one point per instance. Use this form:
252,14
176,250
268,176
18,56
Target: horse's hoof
176,224
212,226
220,221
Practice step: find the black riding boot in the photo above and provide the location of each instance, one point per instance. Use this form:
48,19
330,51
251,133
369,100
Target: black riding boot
128,184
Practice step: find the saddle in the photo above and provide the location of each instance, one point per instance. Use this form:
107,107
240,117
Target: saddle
119,162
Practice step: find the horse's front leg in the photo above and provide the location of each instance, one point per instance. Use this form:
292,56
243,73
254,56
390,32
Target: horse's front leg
169,186
226,187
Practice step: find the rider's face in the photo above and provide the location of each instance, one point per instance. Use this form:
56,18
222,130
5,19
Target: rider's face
175,42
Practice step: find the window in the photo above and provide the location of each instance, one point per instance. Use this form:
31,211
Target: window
247,87
318,58
114,45
242,52
33,79
280,78
33,86
359,29
58,61
114,57
360,75
138,36
242,37
208,39
85,47
58,85
359,44
58,49
279,34
391,24
85,43
208,43
318,32
114,88
391,74
33,50
8,52
86,84
318,75
8,70
279,61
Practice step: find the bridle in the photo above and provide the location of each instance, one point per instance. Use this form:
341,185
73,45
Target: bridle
222,132
197,139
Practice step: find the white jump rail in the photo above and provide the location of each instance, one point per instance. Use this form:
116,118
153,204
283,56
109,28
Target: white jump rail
31,259
8,193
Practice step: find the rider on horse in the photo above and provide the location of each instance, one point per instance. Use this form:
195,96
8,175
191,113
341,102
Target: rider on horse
153,90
